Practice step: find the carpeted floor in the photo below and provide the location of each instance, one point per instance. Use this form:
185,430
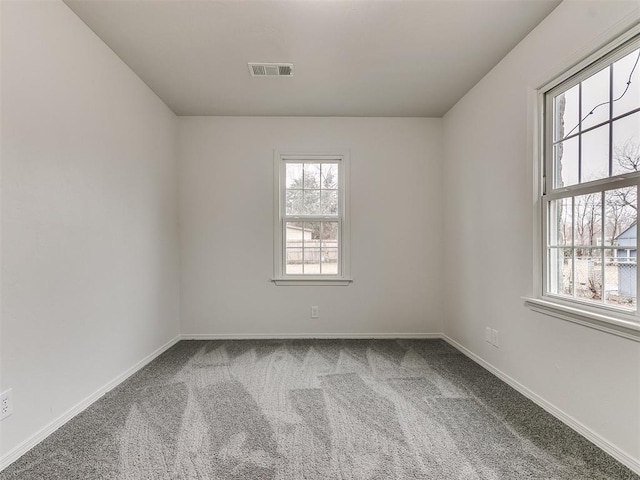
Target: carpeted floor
315,409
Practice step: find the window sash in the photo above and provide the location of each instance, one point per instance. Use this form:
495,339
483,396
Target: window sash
321,275
549,95
599,187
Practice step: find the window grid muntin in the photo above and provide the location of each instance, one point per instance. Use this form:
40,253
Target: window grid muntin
580,136
610,122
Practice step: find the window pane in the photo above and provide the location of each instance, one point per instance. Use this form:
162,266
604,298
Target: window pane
566,162
329,261
595,99
560,222
626,144
294,202
621,206
329,202
630,97
620,278
620,272
311,253
312,202
329,247
560,271
588,265
311,175
293,261
587,213
595,154
329,175
313,231
311,263
329,234
566,113
296,235
293,175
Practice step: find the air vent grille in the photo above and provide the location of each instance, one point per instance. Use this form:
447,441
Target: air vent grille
271,69
258,70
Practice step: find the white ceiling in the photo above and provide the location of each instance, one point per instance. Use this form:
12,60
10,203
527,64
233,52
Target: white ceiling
352,58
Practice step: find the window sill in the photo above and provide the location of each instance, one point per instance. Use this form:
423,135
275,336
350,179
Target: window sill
606,323
312,281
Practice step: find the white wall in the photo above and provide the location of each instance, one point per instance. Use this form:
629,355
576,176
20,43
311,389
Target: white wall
488,172
89,216
226,224
89,244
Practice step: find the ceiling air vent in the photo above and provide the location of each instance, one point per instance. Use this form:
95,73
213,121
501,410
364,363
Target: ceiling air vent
285,70
258,70
271,69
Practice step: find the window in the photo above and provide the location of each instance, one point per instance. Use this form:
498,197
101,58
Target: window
311,219
591,157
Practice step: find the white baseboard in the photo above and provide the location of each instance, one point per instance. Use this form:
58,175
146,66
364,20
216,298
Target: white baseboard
39,436
600,442
284,336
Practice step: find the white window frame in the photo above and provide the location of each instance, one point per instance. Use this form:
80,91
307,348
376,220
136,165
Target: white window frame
343,277
601,317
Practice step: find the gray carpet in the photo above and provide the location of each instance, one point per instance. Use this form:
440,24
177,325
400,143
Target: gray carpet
315,409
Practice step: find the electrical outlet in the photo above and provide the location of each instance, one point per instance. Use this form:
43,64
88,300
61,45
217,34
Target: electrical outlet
495,338
487,334
315,312
6,405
